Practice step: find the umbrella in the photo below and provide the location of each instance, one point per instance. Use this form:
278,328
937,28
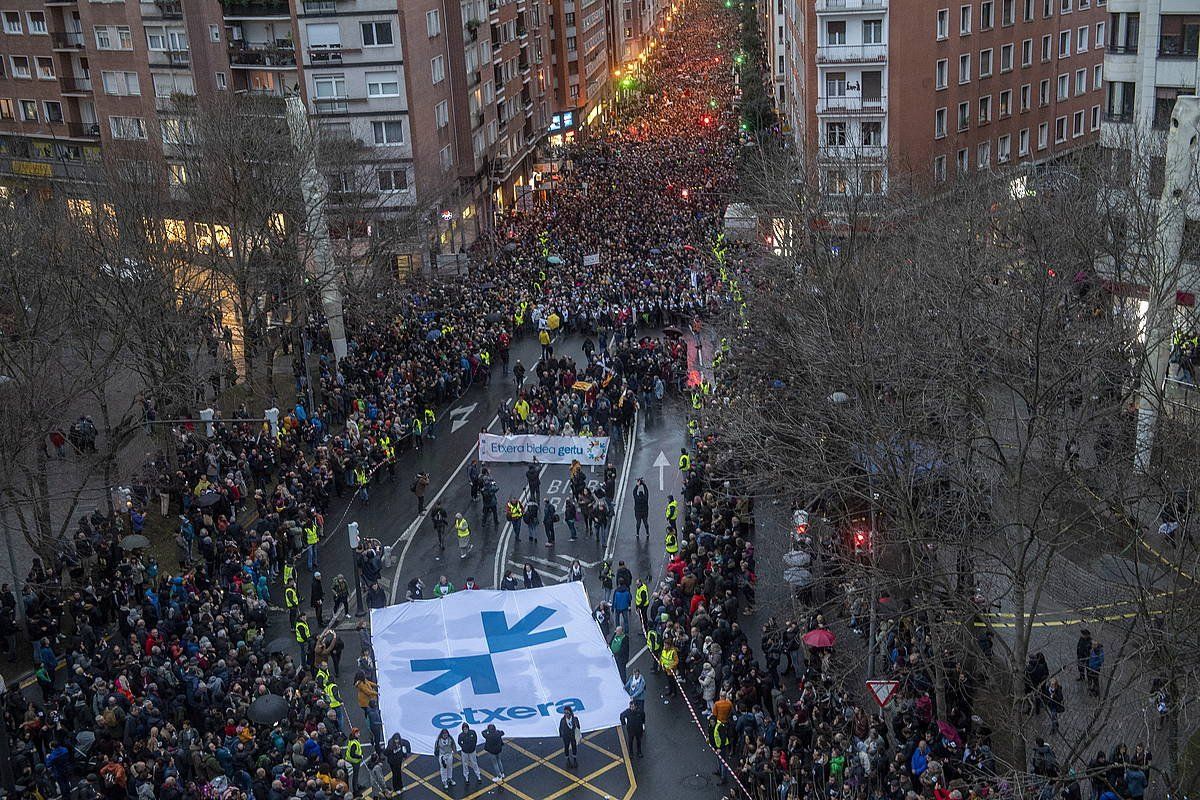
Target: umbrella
672,332
208,499
268,709
433,335
554,261
654,251
134,541
511,247
949,732
819,637
281,644
494,317
553,321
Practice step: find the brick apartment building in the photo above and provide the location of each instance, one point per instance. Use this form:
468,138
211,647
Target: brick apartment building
935,88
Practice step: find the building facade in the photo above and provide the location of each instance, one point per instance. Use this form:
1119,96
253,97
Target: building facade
938,89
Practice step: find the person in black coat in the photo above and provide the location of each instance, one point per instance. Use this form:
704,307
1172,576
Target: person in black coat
398,750
549,517
1083,649
633,720
568,729
531,577
316,597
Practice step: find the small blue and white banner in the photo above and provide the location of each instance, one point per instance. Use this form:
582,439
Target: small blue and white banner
587,450
513,659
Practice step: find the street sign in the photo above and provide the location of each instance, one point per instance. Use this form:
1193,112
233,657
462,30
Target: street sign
883,691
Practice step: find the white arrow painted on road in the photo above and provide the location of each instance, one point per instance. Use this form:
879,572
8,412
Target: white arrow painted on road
462,411
662,463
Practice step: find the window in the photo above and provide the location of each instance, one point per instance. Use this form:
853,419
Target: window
963,160
1099,34
1095,118
441,113
383,84
29,110
986,15
1003,149
1044,92
941,74
985,109
1064,44
222,81
377,34
392,180
1064,6
985,63
984,154
964,68
939,123
177,131
1047,8
1060,130
1077,124
1006,103
45,68
433,22
176,174
6,109
329,87
571,47
127,127
1046,45
1023,142
1026,52
964,20
167,83
872,134
1006,58
964,115
1026,97
569,19
1064,86
835,32
835,84
214,33
1027,14
37,22
939,168
113,37
12,22
324,35
943,23
872,181
1081,39
1097,76
872,31
835,134
835,182
388,132
1080,81
1008,13
446,158
122,83
20,67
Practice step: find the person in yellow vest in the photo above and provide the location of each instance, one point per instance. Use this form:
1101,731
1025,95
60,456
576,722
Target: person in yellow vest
312,537
389,454
513,513
485,361
304,639
697,404
641,601
430,419
672,512
354,757
654,645
669,659
685,462
289,575
418,431
291,599
463,530
671,543
721,742
333,697
361,479
323,678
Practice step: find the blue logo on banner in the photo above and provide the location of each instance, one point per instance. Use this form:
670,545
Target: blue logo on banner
500,639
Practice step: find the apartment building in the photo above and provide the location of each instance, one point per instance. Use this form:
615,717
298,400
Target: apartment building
938,89
581,68
446,99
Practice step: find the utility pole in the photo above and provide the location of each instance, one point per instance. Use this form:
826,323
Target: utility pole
314,191
1183,152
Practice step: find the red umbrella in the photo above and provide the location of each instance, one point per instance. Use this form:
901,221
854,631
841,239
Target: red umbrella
820,637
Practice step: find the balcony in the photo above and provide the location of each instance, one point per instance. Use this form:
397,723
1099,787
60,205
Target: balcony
166,9
851,53
848,152
83,130
319,7
1129,49
332,105
76,87
852,104
1119,116
268,9
1178,46
68,40
850,6
53,3
170,58
320,56
259,55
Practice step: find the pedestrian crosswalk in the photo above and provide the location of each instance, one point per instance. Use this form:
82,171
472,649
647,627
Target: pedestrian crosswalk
550,569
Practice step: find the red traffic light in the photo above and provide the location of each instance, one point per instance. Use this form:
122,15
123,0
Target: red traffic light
706,120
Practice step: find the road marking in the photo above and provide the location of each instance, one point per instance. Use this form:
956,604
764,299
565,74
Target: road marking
661,464
619,501
582,563
506,534
557,577
410,533
460,415
645,649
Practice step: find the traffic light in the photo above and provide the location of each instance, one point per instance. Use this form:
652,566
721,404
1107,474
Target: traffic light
706,120
800,523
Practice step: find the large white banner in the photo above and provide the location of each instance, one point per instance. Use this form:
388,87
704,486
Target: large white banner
546,449
513,659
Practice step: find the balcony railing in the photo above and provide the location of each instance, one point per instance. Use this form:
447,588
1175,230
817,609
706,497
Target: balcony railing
319,6
850,5
261,55
1122,49
83,130
849,53
1177,46
331,106
1123,115
851,104
169,9
273,8
68,40
76,85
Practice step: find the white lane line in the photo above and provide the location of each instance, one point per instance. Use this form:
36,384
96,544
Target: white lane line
619,502
410,533
506,535
645,649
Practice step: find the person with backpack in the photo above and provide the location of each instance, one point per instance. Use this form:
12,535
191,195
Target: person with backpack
532,519
549,517
493,745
